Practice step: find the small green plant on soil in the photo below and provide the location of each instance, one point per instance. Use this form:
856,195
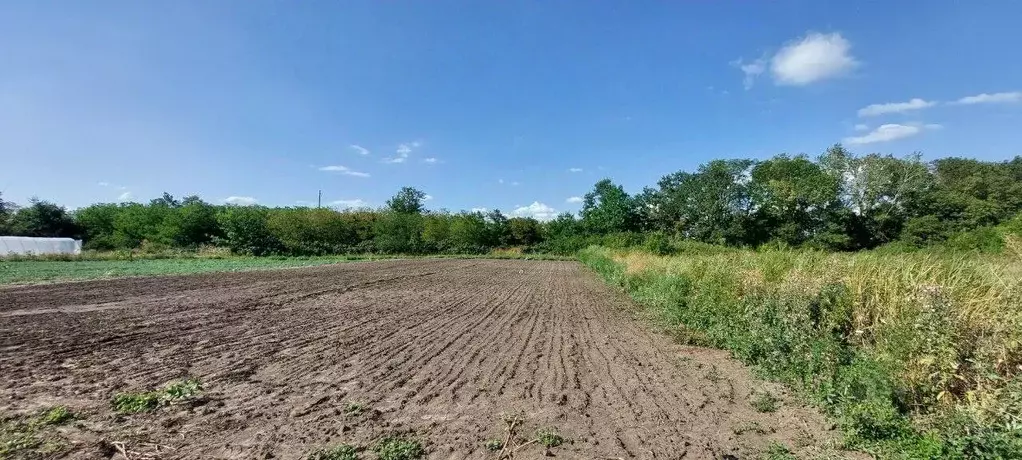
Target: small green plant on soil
549,438
341,452
354,409
765,402
399,448
778,451
135,402
750,427
493,445
23,437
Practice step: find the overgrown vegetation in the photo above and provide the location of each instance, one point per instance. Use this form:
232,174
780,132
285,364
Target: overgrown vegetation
916,354
136,402
25,437
840,201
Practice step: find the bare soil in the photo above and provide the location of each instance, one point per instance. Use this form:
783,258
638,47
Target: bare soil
433,349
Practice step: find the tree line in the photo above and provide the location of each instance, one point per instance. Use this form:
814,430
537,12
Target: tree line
838,201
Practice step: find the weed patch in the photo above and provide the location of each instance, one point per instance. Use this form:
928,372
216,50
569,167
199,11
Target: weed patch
26,437
341,452
136,402
399,448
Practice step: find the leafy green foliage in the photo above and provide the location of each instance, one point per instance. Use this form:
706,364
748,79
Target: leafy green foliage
399,448
42,219
493,445
340,452
549,438
135,402
407,201
28,437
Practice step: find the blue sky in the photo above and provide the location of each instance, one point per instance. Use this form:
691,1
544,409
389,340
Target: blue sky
509,105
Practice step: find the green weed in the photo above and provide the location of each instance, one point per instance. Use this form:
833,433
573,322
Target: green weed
765,402
399,448
493,445
341,452
778,451
549,438
354,409
24,437
136,402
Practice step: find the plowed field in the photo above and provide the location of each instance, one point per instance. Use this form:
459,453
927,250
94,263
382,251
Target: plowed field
434,350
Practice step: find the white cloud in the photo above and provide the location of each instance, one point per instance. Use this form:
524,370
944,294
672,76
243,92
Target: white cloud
996,98
344,170
430,160
427,197
536,210
895,107
812,58
403,151
356,203
104,184
890,132
483,210
241,200
358,148
574,199
515,183
575,170
751,70
125,196
861,127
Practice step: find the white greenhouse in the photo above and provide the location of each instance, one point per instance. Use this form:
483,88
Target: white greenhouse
28,246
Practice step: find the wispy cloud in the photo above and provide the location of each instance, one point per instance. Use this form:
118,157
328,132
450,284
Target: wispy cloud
241,200
861,127
575,170
429,160
536,210
890,132
802,61
752,70
403,151
344,170
126,196
355,203
574,199
482,210
995,98
104,184
427,197
895,107
359,149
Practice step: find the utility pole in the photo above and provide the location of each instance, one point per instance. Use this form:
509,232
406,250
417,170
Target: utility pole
319,201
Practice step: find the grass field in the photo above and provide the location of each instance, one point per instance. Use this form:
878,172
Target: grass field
917,355
115,265
34,271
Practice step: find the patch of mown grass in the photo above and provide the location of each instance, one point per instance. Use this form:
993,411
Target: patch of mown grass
136,402
399,448
915,355
23,437
340,452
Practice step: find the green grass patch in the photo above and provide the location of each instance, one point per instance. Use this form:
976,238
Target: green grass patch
136,402
27,270
549,438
